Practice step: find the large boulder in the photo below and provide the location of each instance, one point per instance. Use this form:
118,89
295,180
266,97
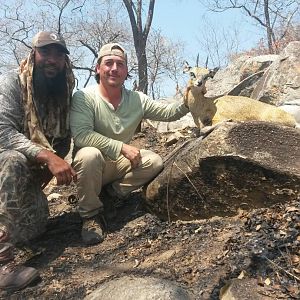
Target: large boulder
239,76
238,165
273,79
281,82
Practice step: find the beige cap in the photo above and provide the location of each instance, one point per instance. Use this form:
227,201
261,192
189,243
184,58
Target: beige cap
112,49
44,38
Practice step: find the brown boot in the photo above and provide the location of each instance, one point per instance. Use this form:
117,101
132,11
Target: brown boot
13,277
93,230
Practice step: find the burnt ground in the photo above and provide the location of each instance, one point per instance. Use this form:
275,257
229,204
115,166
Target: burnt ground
201,255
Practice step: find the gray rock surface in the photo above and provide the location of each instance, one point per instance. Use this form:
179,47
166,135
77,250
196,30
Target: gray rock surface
139,288
281,82
242,289
292,107
238,165
245,66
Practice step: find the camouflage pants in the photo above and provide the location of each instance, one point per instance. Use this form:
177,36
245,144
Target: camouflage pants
23,205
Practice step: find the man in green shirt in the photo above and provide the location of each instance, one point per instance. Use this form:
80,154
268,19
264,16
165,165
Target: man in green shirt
104,118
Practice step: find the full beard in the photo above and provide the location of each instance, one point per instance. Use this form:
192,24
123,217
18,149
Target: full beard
51,100
49,91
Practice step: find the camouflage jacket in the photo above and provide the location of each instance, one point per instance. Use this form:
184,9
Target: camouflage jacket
12,119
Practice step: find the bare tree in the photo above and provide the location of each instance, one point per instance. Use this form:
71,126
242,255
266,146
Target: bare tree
266,13
81,24
217,44
20,21
140,35
86,26
57,8
14,33
164,62
91,33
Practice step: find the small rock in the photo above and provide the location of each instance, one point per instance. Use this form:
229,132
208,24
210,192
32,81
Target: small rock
240,289
139,288
173,138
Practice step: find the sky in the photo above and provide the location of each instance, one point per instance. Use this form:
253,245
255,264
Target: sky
185,20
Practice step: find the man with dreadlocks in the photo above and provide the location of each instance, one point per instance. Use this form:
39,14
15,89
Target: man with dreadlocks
34,139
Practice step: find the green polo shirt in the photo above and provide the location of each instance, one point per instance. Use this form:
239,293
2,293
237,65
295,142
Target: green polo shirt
95,122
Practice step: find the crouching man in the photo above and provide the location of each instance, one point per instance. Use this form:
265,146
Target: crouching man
34,139
104,118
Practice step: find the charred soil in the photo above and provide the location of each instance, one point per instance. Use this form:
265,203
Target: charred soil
201,255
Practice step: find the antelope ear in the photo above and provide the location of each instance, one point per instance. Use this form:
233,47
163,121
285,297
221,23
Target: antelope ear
215,70
212,72
186,67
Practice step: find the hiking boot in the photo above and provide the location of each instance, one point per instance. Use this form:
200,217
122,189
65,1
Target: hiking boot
14,277
93,230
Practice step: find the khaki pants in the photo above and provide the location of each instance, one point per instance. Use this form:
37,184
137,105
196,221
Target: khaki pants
95,170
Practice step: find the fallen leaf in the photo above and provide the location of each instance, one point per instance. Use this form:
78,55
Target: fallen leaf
268,281
295,259
242,274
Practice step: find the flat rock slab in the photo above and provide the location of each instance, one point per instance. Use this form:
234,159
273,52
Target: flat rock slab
242,289
237,166
139,288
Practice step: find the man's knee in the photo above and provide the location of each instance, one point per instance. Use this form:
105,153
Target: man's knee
13,165
12,158
88,157
153,161
157,163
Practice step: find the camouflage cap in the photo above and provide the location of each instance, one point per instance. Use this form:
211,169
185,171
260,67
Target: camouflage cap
112,49
44,38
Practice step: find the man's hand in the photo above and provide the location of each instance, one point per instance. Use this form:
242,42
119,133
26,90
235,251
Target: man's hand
132,153
63,172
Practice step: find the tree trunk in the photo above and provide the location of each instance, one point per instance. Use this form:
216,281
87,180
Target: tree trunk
142,69
140,36
268,26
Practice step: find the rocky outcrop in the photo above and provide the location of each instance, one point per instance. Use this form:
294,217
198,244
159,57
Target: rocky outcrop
239,165
281,81
273,79
241,70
